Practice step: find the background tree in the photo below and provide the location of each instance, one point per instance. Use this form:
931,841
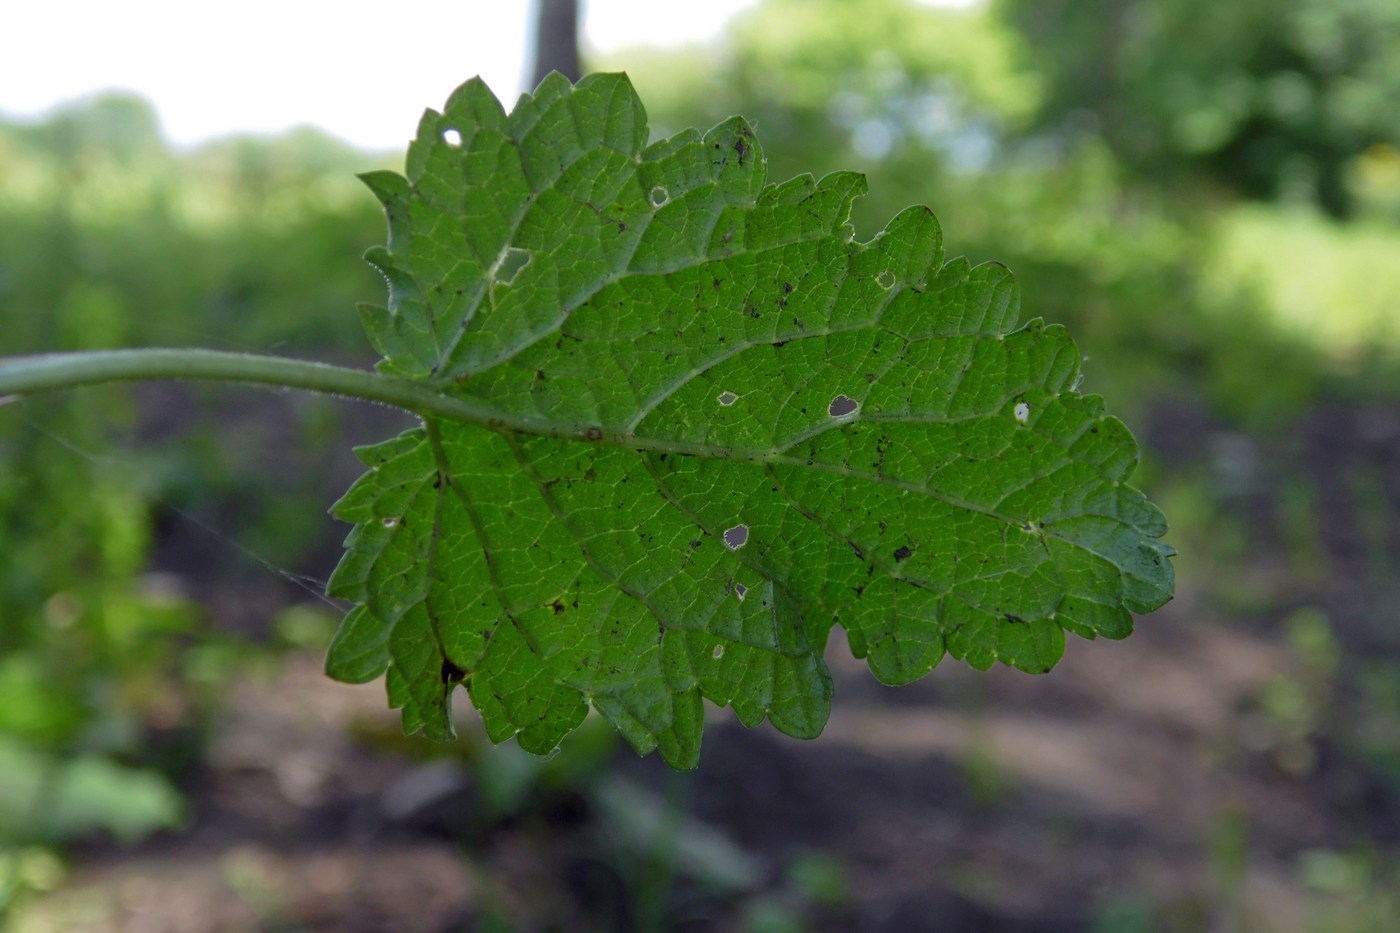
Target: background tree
1268,99
555,40
906,93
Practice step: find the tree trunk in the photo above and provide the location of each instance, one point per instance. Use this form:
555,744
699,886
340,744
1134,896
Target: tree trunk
556,40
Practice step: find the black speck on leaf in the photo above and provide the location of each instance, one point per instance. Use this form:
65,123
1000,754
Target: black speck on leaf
902,552
451,673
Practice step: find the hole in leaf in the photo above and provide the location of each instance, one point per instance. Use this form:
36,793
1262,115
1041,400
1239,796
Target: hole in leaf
902,553
658,196
727,398
391,522
736,537
510,264
885,279
741,591
718,652
1022,411
841,406
452,138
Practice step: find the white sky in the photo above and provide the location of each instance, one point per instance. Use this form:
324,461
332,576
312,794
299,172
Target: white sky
265,65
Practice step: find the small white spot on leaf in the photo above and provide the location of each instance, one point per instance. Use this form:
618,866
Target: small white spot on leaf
391,522
736,537
841,406
452,137
727,398
509,264
1022,411
718,652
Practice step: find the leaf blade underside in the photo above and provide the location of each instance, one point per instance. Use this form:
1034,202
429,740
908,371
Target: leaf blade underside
782,430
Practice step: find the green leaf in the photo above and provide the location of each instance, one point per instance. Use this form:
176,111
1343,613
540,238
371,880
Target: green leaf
50,798
750,428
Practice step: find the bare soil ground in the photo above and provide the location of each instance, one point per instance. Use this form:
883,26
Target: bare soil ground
965,802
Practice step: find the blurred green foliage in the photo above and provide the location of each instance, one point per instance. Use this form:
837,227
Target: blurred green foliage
109,238
1272,99
108,672
1168,289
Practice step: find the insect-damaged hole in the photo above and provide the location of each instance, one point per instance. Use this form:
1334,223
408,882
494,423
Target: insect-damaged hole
451,673
736,537
390,522
726,398
452,137
841,406
658,196
741,591
718,652
509,265
885,279
1022,412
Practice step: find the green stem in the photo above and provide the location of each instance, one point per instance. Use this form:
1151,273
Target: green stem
25,375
